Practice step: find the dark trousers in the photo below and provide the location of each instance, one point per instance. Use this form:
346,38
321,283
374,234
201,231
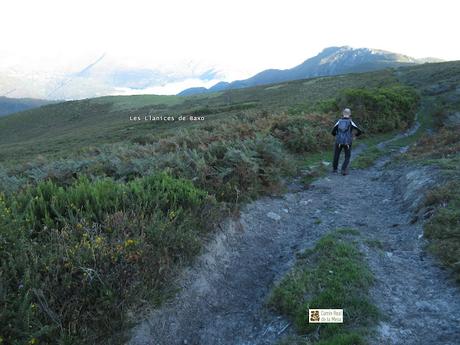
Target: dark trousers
337,150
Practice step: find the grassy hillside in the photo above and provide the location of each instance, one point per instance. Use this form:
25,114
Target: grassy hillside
65,127
98,213
137,101
68,126
13,105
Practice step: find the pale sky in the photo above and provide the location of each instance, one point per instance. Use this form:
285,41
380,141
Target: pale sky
45,41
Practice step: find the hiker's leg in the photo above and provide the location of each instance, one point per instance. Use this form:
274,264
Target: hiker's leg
335,163
347,158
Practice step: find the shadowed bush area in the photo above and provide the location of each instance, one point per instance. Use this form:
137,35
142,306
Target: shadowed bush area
302,134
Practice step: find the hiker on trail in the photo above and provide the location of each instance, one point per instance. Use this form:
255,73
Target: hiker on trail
343,132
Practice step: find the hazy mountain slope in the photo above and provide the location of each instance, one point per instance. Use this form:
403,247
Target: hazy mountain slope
14,105
331,61
100,76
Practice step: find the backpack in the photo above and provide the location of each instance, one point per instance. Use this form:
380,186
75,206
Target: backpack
343,136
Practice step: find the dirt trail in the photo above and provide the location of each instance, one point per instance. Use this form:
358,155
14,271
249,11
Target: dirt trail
222,297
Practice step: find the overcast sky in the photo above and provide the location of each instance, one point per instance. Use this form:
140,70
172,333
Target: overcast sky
184,39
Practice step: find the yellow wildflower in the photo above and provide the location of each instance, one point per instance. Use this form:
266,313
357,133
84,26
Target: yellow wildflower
99,240
129,242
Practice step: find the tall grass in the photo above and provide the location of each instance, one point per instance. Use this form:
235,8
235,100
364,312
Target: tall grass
75,259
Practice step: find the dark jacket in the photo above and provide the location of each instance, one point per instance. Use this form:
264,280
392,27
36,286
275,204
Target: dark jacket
351,125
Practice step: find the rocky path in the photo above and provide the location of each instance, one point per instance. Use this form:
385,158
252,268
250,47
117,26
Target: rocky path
222,298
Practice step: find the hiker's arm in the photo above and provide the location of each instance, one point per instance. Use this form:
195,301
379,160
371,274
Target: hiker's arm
334,130
359,131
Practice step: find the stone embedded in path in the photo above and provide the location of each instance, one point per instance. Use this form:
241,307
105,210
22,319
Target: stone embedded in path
425,306
273,215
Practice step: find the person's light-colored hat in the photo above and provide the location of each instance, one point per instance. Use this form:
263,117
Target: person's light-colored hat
346,112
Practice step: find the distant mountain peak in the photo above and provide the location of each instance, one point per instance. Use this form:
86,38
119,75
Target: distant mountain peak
330,61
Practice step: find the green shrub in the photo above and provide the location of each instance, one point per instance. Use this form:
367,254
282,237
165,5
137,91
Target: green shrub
233,171
444,143
9,183
48,204
107,246
303,134
381,110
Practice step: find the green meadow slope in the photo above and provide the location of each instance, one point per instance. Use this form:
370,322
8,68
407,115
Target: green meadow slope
62,128
66,127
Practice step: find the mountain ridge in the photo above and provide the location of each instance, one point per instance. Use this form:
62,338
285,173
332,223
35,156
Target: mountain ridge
330,61
13,105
